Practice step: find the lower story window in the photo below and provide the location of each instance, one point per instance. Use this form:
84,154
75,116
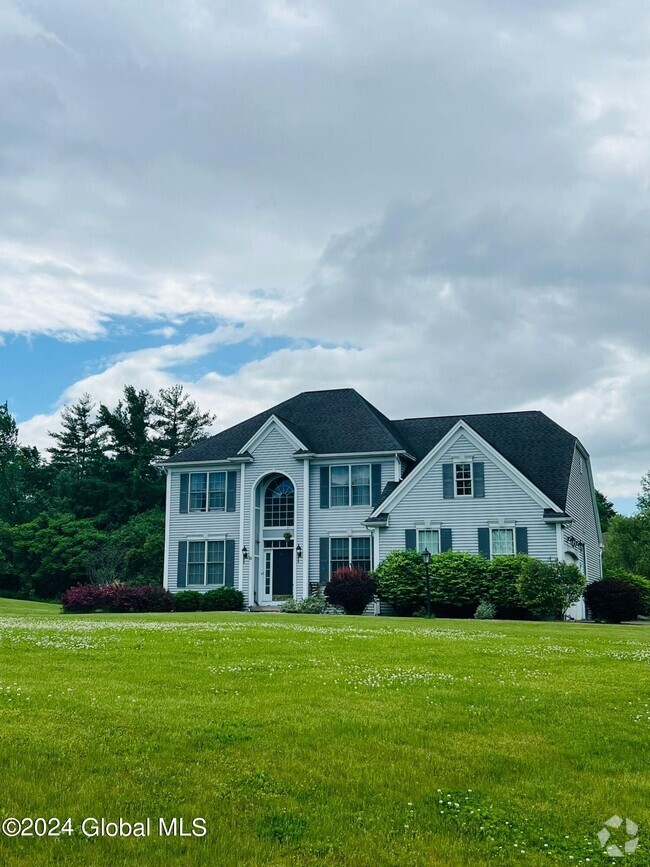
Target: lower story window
206,563
350,551
429,539
502,541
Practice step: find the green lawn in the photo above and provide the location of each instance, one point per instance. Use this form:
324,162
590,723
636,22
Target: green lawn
322,740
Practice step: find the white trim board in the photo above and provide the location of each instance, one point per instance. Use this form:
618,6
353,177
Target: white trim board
482,445
258,436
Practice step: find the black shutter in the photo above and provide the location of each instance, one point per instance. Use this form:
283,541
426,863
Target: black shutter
182,564
376,484
410,540
325,488
445,539
230,562
479,479
231,491
324,559
484,542
184,502
448,481
521,537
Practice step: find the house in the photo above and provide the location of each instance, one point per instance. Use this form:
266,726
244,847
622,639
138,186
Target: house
274,505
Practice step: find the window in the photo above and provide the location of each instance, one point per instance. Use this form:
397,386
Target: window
198,490
207,492
348,551
279,503
502,541
206,563
217,491
350,485
463,480
429,539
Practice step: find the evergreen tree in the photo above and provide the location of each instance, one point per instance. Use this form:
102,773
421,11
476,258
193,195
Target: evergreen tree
606,511
643,502
79,442
179,423
23,478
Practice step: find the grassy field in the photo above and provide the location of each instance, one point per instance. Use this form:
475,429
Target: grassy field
322,740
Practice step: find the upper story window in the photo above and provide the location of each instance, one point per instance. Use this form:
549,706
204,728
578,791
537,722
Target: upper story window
350,485
463,477
207,491
279,502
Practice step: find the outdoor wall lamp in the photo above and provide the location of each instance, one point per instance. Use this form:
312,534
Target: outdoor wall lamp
298,552
244,554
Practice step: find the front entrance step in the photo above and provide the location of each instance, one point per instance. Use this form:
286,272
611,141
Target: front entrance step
265,609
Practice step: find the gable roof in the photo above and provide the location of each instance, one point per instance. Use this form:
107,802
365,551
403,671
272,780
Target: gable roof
341,421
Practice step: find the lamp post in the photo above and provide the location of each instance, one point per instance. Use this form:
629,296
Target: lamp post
426,556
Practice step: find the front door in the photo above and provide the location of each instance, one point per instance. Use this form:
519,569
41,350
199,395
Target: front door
282,573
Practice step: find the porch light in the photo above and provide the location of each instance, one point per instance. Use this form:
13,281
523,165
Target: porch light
244,554
298,552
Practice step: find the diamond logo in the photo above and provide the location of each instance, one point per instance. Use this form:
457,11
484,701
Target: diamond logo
631,830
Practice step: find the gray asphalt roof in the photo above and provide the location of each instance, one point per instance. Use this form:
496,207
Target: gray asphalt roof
342,421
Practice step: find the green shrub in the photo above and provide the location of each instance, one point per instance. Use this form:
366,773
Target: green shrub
311,605
642,585
187,600
613,601
400,579
485,611
503,575
222,599
458,581
570,581
539,589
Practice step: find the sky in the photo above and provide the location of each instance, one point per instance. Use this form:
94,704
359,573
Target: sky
443,205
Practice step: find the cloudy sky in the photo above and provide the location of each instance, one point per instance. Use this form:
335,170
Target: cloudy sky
445,205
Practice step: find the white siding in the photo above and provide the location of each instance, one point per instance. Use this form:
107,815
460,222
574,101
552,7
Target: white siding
274,454
198,524
504,499
344,520
580,506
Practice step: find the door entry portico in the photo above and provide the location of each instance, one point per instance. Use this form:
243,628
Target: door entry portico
277,575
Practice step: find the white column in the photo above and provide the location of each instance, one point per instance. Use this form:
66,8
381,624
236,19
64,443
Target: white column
242,484
305,528
168,517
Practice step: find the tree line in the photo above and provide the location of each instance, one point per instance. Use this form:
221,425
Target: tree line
92,506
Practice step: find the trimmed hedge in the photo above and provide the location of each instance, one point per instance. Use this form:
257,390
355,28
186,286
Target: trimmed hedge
459,581
351,589
613,601
116,599
222,599
400,580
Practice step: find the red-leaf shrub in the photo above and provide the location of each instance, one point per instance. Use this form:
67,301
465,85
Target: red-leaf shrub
116,598
350,588
613,601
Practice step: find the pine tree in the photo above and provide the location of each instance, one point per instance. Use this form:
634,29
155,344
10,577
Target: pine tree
179,422
79,442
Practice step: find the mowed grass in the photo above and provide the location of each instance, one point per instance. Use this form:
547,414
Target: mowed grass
323,740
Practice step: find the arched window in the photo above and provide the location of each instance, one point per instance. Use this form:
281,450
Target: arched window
279,504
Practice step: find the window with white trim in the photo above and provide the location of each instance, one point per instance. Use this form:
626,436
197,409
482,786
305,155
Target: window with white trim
206,563
502,541
351,551
463,479
429,539
207,492
350,485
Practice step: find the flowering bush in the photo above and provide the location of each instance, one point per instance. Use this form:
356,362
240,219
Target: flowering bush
116,598
350,588
222,599
613,600
311,605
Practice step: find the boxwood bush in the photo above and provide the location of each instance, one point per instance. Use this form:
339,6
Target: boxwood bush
400,580
188,600
459,581
613,601
222,599
351,589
